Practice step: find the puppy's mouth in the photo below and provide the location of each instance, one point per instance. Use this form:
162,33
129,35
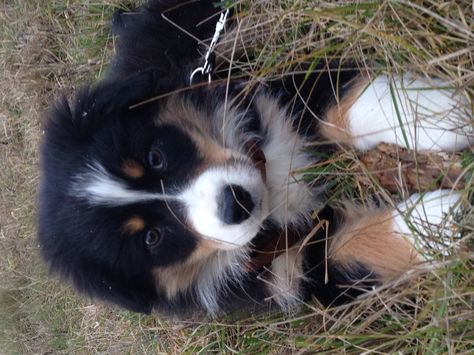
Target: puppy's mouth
258,158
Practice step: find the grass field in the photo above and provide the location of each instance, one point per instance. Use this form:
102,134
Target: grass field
53,46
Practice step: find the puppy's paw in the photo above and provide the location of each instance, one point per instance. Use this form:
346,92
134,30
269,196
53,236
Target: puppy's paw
430,222
412,113
443,117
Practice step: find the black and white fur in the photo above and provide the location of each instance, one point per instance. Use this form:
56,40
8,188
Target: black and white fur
160,205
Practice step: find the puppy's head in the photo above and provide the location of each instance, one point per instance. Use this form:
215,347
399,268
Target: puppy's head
136,201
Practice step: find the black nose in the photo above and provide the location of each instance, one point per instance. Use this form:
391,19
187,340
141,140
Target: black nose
235,204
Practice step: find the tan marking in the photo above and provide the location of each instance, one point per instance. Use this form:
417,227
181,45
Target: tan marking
134,225
210,151
133,169
370,239
193,122
335,126
178,278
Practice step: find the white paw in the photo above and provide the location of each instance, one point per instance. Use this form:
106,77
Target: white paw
285,281
413,114
428,221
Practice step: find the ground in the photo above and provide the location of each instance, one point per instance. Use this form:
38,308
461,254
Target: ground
53,46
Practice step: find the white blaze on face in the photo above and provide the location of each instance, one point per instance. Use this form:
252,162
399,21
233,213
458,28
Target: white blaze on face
201,199
100,188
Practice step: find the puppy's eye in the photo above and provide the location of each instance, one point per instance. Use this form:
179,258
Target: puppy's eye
153,237
156,159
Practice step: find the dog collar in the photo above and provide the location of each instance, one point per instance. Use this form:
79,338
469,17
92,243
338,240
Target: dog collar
210,57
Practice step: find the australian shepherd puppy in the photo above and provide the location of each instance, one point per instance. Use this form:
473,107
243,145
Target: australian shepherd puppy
158,194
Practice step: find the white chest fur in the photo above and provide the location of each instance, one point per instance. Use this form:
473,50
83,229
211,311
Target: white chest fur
290,200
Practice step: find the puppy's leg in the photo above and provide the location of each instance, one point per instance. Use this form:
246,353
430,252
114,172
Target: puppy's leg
390,242
428,221
286,274
401,110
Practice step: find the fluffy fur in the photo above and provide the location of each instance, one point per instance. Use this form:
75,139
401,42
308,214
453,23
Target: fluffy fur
171,204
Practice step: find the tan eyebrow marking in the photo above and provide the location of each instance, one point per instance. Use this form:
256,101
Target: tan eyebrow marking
134,225
133,169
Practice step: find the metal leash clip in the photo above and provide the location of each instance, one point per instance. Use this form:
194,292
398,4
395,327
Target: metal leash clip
210,57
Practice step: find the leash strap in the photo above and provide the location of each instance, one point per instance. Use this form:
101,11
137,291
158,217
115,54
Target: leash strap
210,57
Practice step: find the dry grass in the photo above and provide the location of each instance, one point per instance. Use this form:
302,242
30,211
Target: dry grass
55,45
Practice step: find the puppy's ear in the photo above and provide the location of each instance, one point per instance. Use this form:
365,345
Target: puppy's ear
111,96
135,293
165,35
119,22
98,103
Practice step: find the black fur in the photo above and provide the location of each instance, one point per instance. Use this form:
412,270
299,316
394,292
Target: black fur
342,285
83,243
149,41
